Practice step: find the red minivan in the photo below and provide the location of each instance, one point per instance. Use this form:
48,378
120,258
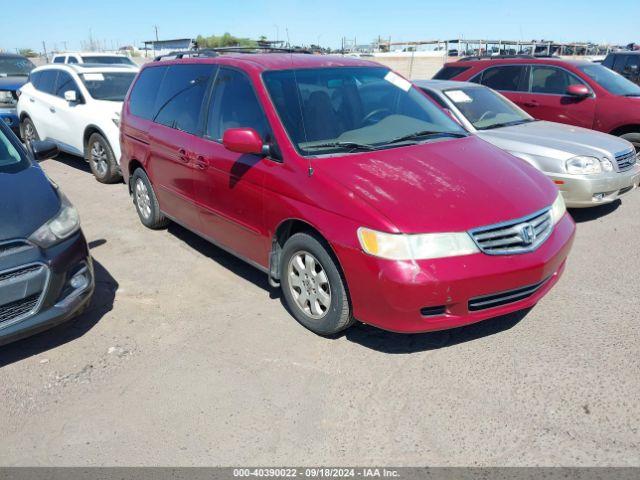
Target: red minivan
346,185
577,92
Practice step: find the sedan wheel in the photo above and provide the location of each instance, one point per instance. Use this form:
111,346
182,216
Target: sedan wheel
309,284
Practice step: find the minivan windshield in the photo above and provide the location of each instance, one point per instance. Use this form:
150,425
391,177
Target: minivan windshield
15,66
611,81
111,86
486,109
115,59
345,109
11,160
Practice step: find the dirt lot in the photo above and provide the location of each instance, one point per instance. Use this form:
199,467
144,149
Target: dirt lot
187,357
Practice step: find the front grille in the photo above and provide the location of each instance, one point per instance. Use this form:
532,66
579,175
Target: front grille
13,247
626,160
503,298
515,236
21,290
18,308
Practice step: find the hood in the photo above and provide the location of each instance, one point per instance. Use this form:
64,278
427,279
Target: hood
27,200
109,106
555,140
443,186
12,83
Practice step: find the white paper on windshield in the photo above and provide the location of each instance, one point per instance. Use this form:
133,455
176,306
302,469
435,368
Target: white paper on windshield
458,96
94,77
398,81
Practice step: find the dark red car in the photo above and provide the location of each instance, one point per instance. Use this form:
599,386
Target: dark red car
346,186
577,92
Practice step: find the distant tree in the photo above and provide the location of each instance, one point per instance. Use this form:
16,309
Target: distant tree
27,52
224,40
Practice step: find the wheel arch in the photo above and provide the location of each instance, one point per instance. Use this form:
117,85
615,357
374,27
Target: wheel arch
90,130
630,128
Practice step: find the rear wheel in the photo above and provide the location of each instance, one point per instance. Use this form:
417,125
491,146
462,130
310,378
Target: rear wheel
28,130
144,198
102,160
312,285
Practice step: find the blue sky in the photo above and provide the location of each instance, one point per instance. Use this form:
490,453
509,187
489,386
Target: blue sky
26,23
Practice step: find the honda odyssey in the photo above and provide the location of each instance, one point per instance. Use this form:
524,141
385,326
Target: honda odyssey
348,187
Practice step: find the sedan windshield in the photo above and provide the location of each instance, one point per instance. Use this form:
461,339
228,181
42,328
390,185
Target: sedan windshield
15,67
349,109
11,159
103,59
108,85
486,109
611,81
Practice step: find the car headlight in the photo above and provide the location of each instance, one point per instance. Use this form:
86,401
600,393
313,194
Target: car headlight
397,246
63,225
606,164
584,166
7,98
558,209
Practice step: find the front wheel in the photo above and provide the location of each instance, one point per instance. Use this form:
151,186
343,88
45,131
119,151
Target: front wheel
28,131
312,285
633,137
101,160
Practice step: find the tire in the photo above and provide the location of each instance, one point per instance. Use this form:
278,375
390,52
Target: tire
101,160
28,130
146,202
633,137
306,269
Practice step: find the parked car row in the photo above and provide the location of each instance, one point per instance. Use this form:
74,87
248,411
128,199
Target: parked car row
359,194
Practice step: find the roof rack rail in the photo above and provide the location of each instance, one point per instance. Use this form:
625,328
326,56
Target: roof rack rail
205,52
494,57
259,48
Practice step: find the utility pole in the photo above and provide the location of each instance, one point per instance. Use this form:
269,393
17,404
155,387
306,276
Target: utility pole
44,47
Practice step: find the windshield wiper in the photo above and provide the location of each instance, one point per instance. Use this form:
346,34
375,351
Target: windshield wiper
506,124
349,145
425,133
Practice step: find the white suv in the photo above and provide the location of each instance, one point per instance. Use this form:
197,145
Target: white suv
93,57
78,107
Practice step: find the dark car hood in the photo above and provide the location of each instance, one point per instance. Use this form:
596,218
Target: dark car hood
12,83
444,186
27,200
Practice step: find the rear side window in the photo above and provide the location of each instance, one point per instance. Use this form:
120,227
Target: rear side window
181,95
446,73
143,96
58,60
72,60
234,104
619,62
608,62
508,78
47,81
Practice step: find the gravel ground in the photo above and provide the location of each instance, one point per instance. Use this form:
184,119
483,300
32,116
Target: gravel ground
187,357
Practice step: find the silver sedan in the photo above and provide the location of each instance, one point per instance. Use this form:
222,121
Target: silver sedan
589,168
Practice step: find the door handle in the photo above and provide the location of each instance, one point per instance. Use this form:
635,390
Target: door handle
52,110
183,156
531,103
31,99
201,163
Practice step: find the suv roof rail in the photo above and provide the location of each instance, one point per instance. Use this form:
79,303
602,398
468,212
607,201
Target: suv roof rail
214,52
205,52
497,57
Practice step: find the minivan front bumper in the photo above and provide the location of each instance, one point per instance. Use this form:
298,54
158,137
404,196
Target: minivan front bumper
56,297
446,293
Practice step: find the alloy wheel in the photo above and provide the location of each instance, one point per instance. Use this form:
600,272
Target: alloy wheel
309,284
143,199
99,159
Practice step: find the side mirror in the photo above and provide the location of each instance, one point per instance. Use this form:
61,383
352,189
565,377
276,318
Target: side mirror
579,91
44,149
243,140
71,96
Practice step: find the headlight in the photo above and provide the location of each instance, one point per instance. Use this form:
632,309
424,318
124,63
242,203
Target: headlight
606,164
7,98
558,209
394,246
583,166
63,225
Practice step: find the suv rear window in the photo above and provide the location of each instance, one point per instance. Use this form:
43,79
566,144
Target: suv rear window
446,73
143,96
508,78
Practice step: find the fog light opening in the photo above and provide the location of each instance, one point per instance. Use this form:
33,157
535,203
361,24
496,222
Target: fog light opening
80,280
598,197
